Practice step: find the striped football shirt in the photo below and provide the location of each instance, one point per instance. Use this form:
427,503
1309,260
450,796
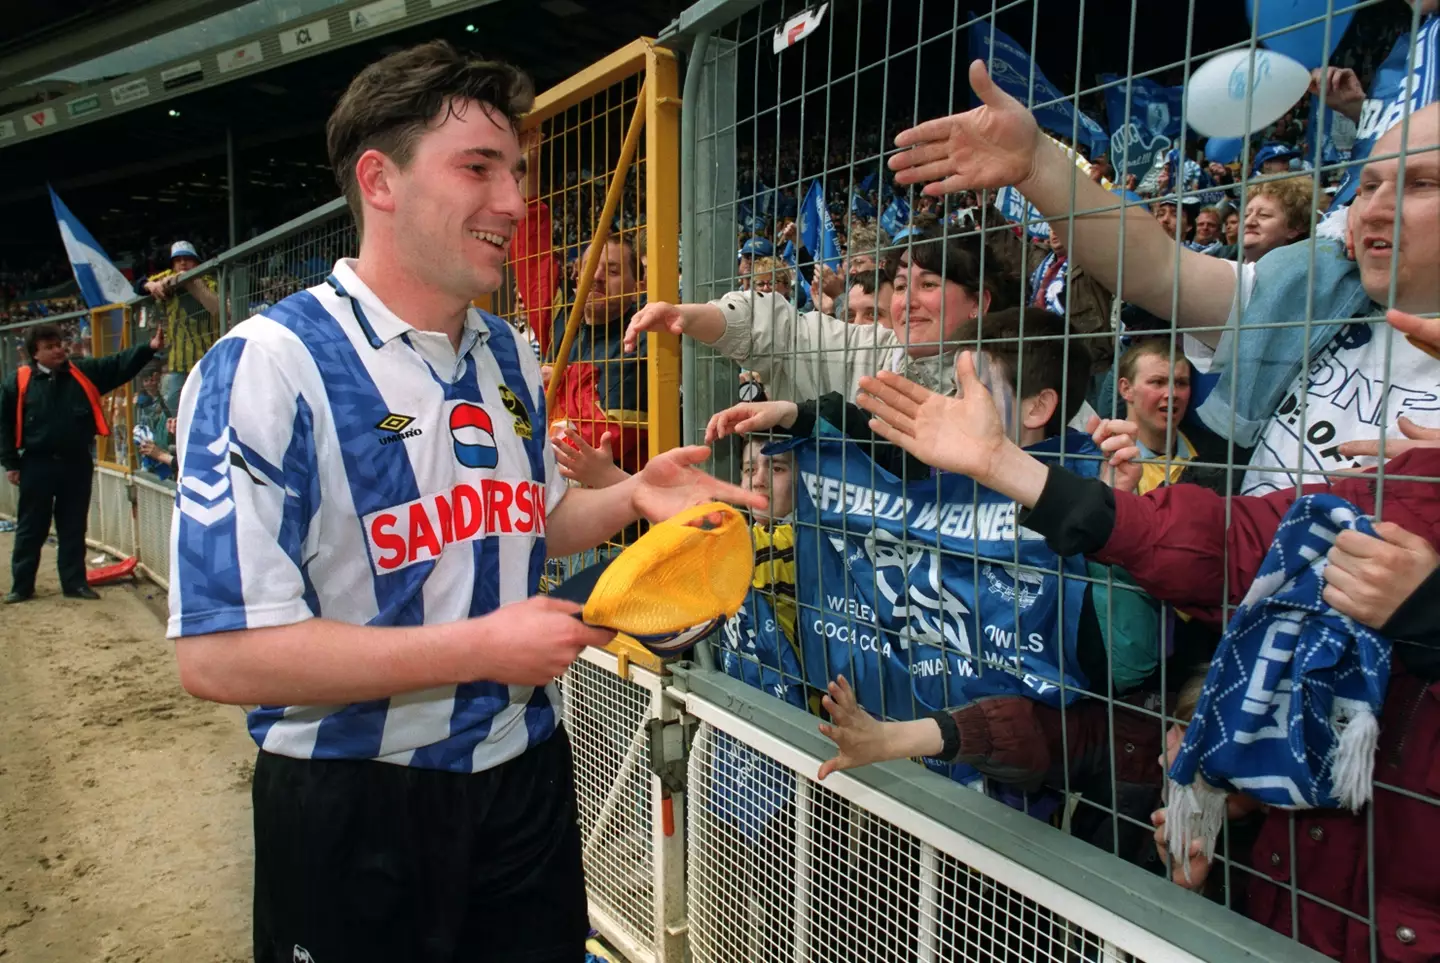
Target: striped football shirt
335,462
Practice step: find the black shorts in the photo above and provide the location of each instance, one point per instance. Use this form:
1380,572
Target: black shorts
360,861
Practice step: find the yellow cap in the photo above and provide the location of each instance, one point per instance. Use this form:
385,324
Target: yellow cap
675,584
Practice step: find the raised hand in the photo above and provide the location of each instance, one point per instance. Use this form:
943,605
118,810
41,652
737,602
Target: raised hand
590,466
993,145
960,434
749,417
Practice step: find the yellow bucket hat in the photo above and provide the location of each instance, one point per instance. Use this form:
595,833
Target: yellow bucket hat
675,584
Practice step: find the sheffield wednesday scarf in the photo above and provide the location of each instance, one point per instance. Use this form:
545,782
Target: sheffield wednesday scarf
1290,705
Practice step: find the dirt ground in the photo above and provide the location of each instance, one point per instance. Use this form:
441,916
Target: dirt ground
124,802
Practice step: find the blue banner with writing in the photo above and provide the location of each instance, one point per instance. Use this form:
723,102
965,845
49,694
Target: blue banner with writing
928,594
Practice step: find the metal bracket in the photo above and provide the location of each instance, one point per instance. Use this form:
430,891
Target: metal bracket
670,750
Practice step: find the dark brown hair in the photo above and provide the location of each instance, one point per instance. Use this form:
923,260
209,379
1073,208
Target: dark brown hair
957,259
41,332
1033,341
393,101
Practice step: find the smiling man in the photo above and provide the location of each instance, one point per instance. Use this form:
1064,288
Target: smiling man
1292,389
366,502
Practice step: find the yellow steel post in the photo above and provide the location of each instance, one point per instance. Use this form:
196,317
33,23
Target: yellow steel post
662,235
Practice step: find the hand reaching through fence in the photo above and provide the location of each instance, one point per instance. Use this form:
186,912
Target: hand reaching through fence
1116,438
591,466
862,739
749,417
993,145
1369,578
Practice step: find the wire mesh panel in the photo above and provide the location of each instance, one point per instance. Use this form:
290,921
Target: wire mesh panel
1150,219
608,719
117,523
292,258
154,504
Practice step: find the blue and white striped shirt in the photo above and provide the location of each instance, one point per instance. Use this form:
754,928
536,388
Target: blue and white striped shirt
335,462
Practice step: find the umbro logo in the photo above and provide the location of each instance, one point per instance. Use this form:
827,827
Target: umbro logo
395,428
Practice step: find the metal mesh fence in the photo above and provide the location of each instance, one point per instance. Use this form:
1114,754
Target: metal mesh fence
608,720
785,869
1078,250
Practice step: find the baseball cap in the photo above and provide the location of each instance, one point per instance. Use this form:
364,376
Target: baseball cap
674,584
756,247
1274,152
183,249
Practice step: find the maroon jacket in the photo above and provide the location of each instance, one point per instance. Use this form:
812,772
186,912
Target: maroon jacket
1176,544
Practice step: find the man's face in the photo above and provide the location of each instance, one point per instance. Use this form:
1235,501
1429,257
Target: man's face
51,353
772,476
1165,214
923,301
1232,227
183,263
1156,398
1057,243
859,263
1275,165
1266,227
871,308
455,205
1207,228
1416,261
1218,171
151,383
743,270
614,288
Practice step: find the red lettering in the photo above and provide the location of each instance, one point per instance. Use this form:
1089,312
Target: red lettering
500,495
540,504
525,505
447,521
387,541
422,533
468,515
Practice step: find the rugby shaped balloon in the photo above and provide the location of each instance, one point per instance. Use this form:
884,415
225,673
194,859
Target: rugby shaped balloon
1215,97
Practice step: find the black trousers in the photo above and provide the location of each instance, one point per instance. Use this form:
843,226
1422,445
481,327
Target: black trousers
368,862
58,489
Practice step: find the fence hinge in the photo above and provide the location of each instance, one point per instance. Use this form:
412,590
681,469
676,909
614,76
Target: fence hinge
669,752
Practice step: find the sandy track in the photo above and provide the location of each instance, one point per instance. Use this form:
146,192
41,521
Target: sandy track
124,803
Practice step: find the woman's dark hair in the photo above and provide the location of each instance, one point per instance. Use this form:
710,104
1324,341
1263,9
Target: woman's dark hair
393,101
957,258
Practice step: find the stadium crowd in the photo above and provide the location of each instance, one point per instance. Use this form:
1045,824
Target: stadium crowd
1156,427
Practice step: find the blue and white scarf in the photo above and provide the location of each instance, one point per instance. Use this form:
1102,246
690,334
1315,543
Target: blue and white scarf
1291,702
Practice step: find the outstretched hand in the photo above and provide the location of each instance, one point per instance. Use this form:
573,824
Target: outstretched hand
858,735
993,145
655,316
961,434
670,483
749,417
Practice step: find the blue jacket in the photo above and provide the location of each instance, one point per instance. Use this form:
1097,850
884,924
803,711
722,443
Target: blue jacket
1267,359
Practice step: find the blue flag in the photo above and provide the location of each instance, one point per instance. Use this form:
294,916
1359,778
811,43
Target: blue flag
756,652
915,629
817,231
101,282
1010,68
1140,139
860,206
1013,206
896,216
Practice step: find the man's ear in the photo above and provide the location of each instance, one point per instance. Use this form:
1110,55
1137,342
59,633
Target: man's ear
1037,410
373,173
